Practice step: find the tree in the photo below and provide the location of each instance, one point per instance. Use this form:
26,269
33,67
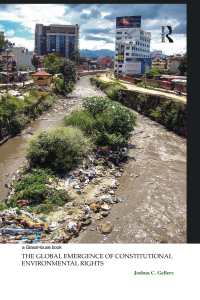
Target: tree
51,63
35,61
74,56
68,69
4,43
183,64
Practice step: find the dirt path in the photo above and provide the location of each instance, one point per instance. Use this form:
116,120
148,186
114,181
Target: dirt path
133,87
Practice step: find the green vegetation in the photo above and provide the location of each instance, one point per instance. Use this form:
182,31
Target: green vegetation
59,149
64,83
35,61
154,71
4,43
119,82
112,90
51,63
106,122
16,112
148,86
183,65
33,188
62,87
75,56
172,114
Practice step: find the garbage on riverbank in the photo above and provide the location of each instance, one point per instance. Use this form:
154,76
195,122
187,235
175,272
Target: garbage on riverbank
92,186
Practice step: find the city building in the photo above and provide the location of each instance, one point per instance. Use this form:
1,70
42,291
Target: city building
62,39
173,63
105,62
22,57
132,46
7,60
159,62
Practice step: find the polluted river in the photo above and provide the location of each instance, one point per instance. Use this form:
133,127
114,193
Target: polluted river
152,187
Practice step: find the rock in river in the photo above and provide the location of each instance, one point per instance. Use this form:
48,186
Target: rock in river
106,228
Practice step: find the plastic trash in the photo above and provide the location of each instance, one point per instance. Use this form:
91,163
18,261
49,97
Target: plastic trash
117,200
71,225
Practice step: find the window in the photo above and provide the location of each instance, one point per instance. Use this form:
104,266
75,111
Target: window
119,32
128,48
52,43
120,71
115,65
62,45
127,54
130,37
119,38
71,44
120,66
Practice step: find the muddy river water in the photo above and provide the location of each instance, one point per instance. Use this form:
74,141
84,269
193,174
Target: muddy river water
152,187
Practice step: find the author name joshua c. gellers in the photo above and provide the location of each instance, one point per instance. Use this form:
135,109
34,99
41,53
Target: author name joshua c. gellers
153,273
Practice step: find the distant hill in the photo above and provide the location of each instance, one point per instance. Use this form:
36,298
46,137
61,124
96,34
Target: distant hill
97,53
103,52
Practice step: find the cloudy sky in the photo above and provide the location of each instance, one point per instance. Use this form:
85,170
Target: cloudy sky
97,23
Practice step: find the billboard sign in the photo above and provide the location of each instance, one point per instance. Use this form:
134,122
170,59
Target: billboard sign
128,22
134,67
120,53
143,61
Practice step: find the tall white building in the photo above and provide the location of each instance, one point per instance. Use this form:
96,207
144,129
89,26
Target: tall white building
131,45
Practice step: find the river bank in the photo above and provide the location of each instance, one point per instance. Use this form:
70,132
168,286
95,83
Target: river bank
93,187
152,184
166,109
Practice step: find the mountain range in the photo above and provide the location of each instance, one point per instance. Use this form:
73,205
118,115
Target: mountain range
102,52
97,53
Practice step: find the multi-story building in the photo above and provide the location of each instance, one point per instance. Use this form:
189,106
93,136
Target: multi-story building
172,64
7,59
22,56
132,50
159,62
105,62
62,39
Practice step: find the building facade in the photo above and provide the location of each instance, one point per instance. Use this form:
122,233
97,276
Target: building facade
159,62
62,39
105,62
22,57
131,45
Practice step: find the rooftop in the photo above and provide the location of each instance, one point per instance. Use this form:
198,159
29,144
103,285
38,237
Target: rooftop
41,72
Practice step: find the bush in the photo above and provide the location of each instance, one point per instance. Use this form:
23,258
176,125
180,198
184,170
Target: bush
62,87
59,148
81,118
33,187
17,123
111,140
155,70
116,117
113,92
96,105
105,120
